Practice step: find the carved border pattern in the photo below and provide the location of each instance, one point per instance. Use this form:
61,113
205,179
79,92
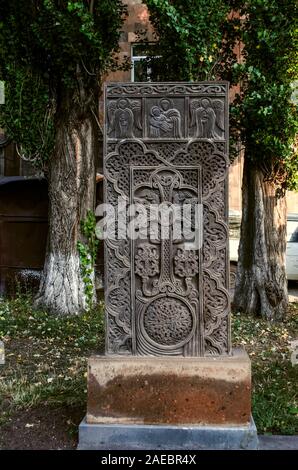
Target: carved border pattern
116,89
211,158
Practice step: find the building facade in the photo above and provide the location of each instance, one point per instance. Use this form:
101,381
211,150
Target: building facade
136,21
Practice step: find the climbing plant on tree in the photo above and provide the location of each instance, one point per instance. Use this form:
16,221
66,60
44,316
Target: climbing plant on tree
53,54
196,41
267,121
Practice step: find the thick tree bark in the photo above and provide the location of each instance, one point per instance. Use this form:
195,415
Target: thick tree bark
261,283
71,194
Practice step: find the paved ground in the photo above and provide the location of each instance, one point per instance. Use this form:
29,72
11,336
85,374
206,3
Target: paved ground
278,442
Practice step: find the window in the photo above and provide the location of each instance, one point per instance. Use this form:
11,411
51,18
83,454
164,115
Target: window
140,53
10,162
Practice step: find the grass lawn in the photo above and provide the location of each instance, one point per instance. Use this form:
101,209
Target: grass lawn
43,382
275,380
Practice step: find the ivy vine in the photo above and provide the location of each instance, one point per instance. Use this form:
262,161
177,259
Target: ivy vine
198,40
50,51
88,252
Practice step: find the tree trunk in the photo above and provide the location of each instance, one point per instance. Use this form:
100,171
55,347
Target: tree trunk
261,283
71,195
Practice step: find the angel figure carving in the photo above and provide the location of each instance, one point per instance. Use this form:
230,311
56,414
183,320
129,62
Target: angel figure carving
165,120
208,118
124,116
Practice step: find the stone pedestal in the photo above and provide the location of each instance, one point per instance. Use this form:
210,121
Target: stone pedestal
169,403
169,380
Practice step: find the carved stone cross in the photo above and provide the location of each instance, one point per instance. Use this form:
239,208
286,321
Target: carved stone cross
166,145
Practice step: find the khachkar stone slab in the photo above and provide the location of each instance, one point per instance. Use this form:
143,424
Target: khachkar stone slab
167,144
169,379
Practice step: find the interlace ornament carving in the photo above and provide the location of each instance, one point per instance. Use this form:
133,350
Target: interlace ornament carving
217,304
166,150
168,321
119,339
217,265
115,89
217,200
165,144
147,261
186,263
218,341
214,163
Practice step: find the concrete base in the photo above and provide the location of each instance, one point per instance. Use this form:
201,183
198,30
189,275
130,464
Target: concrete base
154,437
278,442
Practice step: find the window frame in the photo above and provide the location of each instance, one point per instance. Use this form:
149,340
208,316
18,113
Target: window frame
138,58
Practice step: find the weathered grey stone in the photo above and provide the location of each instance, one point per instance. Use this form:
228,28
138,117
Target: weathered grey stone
146,437
168,297
167,143
278,442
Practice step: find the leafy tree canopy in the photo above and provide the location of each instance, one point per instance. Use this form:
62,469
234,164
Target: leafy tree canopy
266,115
49,50
198,40
195,39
